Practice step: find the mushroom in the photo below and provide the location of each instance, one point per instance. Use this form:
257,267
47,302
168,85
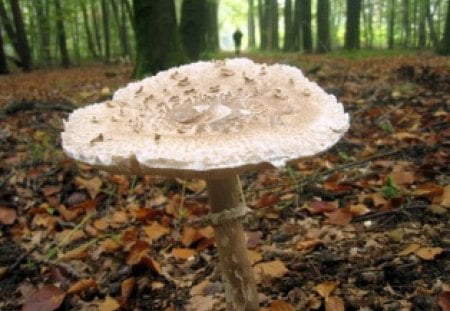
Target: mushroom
223,126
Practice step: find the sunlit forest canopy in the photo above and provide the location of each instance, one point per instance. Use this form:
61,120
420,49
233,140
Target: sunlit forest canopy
36,33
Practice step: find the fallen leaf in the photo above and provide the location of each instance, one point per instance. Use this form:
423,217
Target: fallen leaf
101,224
280,305
79,252
7,215
403,177
51,190
201,303
189,236
92,185
444,301
109,246
199,288
119,217
196,185
339,217
428,253
410,249
359,209
308,244
334,304
183,253
127,289
207,232
137,253
81,286
48,298
254,256
321,207
68,236
268,199
155,231
326,288
270,270
446,196
109,304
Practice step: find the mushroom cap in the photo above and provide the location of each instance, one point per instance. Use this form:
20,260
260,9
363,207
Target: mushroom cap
207,119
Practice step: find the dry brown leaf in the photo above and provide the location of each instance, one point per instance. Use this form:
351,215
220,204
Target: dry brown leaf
270,270
403,177
109,304
201,303
207,232
254,256
444,301
119,217
199,288
321,207
189,236
308,244
334,304
428,253
410,249
137,252
48,298
359,209
326,288
280,305
183,253
51,190
81,286
92,186
67,236
155,231
7,215
101,224
339,217
127,289
446,196
79,252
109,246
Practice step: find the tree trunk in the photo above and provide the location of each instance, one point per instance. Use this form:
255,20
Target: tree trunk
97,35
296,27
287,45
90,41
44,32
262,24
433,35
445,43
306,25
3,64
21,36
61,33
323,26
352,40
106,33
158,46
121,23
212,26
422,35
192,27
272,24
406,24
251,24
391,24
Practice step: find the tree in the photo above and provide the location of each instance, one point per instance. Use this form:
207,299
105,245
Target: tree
192,27
323,26
251,24
3,64
106,33
352,40
391,24
158,45
87,27
422,31
406,24
271,7
296,33
42,13
61,34
433,35
288,30
445,43
23,48
305,12
212,26
262,17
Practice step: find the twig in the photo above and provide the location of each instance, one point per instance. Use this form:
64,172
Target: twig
68,268
17,262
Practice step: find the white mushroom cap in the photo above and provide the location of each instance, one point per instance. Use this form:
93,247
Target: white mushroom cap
207,118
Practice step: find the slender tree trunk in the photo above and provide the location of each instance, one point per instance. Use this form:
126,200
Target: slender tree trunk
157,43
3,63
192,27
445,43
422,35
90,41
287,45
44,31
21,36
251,24
76,39
61,33
106,33
273,11
306,25
262,24
323,26
406,24
97,35
352,40
296,27
212,26
121,27
391,24
433,35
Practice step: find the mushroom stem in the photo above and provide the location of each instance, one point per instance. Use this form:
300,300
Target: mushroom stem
237,273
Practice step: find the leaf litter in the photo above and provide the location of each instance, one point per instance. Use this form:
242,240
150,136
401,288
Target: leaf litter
362,227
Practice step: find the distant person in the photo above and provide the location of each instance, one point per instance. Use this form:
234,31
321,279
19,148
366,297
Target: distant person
237,38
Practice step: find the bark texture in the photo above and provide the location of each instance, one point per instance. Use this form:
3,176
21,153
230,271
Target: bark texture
352,40
21,36
323,26
237,273
192,27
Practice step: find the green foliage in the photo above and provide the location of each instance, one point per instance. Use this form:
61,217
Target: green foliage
390,189
387,127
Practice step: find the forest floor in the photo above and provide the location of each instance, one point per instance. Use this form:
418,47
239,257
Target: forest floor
364,226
